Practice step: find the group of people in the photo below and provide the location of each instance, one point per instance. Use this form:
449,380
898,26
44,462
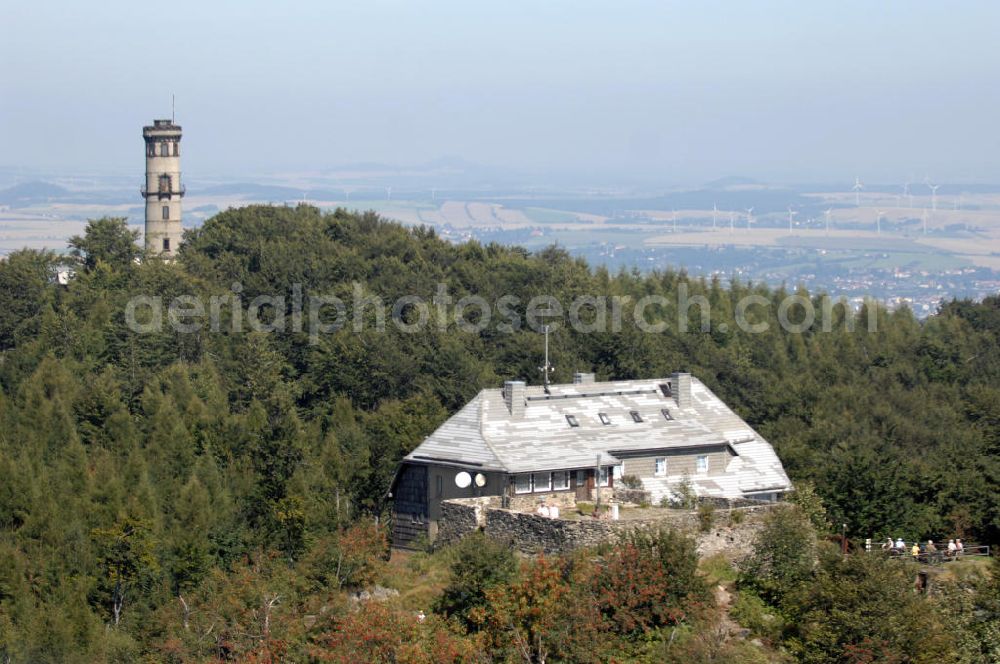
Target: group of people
954,549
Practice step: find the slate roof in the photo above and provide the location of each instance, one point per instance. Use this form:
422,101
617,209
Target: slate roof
484,435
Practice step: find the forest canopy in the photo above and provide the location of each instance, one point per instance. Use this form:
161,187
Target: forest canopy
141,466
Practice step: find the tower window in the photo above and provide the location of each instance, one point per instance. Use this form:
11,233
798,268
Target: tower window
150,149
166,244
166,212
164,149
176,149
164,183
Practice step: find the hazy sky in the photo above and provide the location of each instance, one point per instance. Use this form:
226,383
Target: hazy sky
672,92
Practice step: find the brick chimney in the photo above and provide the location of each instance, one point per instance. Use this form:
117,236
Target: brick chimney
513,395
583,378
680,387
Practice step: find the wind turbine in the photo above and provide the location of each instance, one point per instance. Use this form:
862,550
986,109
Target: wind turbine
933,188
878,221
732,222
715,215
828,213
907,194
925,221
791,218
388,193
857,191
673,216
433,193
749,218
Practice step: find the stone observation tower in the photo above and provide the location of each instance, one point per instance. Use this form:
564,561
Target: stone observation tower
163,189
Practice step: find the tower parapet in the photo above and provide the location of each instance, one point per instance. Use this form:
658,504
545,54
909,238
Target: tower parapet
163,189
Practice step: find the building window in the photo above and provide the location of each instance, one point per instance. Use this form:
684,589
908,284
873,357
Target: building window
438,486
560,480
665,390
165,183
166,212
701,463
605,477
581,478
636,417
150,149
660,467
666,414
573,422
604,418
542,481
166,244
177,147
164,149
522,484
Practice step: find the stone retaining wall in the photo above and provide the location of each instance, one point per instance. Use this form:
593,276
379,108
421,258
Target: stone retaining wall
530,533
461,516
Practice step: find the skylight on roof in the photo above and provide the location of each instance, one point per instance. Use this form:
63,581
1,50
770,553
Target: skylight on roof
665,388
666,414
636,417
604,418
573,422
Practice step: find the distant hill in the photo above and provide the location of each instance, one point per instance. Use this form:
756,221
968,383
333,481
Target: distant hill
31,192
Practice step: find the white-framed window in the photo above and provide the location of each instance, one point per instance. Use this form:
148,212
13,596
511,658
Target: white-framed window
522,484
560,480
542,481
701,463
604,418
605,477
660,467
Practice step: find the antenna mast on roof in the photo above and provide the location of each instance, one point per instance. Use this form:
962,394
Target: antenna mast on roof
172,115
547,368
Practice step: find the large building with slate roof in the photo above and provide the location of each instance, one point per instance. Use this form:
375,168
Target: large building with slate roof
566,440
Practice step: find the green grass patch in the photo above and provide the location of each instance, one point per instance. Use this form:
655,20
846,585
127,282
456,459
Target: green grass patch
419,577
717,570
547,216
